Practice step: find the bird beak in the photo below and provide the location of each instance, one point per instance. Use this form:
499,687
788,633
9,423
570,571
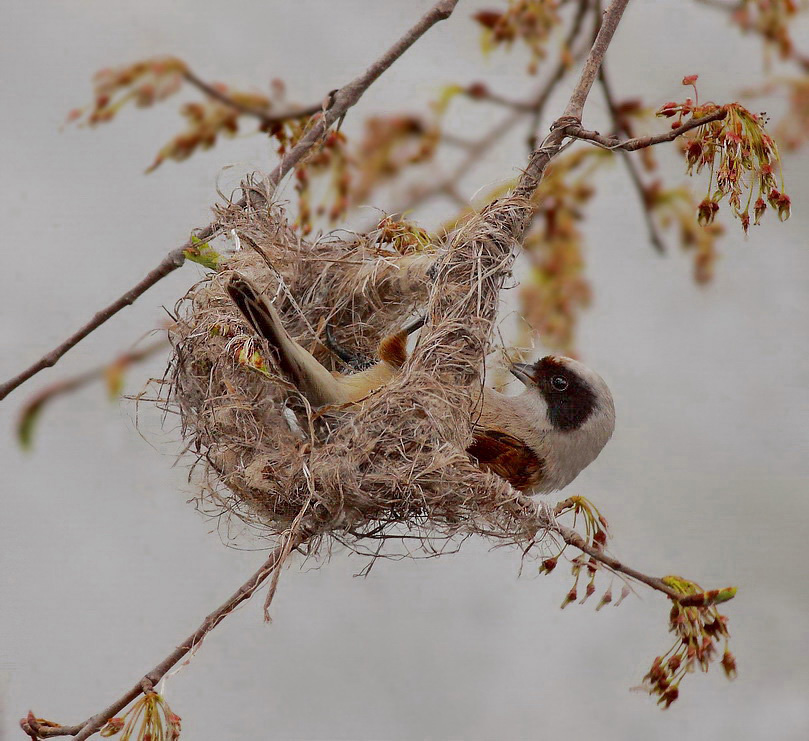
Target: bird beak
523,372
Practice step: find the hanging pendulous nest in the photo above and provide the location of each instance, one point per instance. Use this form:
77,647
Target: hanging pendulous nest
393,465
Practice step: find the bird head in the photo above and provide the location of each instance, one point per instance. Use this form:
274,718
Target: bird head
571,408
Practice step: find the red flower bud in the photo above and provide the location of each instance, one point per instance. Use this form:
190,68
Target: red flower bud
784,207
548,565
668,109
570,597
729,664
693,151
477,90
706,212
670,696
759,207
488,18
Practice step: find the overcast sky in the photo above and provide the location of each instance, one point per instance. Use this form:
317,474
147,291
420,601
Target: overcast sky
104,564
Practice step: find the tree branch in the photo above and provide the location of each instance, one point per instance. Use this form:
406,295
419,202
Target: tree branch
641,142
339,104
348,95
571,118
561,69
168,264
266,118
33,407
611,19
476,92
38,729
535,107
655,237
574,538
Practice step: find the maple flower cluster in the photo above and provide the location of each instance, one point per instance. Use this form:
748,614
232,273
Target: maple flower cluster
698,626
142,83
770,19
150,81
149,719
529,21
739,154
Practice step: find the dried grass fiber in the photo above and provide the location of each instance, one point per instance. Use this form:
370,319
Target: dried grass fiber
394,467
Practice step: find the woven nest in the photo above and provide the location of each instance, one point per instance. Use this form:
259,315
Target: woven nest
396,465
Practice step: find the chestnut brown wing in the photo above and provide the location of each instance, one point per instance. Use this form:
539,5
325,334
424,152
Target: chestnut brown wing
508,457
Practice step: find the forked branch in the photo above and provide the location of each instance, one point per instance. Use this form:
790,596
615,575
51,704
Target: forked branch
571,119
338,104
567,126
641,142
264,116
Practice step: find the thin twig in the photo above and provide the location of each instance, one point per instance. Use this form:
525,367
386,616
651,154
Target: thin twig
474,154
168,264
338,105
35,404
152,678
348,95
481,93
655,237
572,537
611,19
632,169
562,67
262,114
476,149
641,142
571,118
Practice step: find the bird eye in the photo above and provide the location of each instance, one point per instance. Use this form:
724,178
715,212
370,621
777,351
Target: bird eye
559,383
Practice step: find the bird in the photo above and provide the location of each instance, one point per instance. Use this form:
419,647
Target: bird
312,379
539,440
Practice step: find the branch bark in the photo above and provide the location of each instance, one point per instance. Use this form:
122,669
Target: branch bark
534,107
338,105
641,142
266,118
168,264
150,680
348,95
571,118
611,19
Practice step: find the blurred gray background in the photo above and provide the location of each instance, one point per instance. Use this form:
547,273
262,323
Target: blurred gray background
105,566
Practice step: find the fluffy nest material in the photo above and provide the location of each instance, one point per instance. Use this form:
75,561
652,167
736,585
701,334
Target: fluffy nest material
394,467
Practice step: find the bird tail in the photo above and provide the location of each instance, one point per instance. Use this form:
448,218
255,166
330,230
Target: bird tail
299,366
393,348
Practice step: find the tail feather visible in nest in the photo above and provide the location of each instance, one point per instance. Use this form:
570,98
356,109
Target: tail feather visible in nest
397,461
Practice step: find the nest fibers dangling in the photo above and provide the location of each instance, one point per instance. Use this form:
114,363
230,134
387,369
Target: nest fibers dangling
395,464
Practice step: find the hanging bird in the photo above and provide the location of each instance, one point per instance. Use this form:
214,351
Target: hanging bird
538,441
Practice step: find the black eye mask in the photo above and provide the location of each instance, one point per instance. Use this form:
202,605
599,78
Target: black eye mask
570,399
